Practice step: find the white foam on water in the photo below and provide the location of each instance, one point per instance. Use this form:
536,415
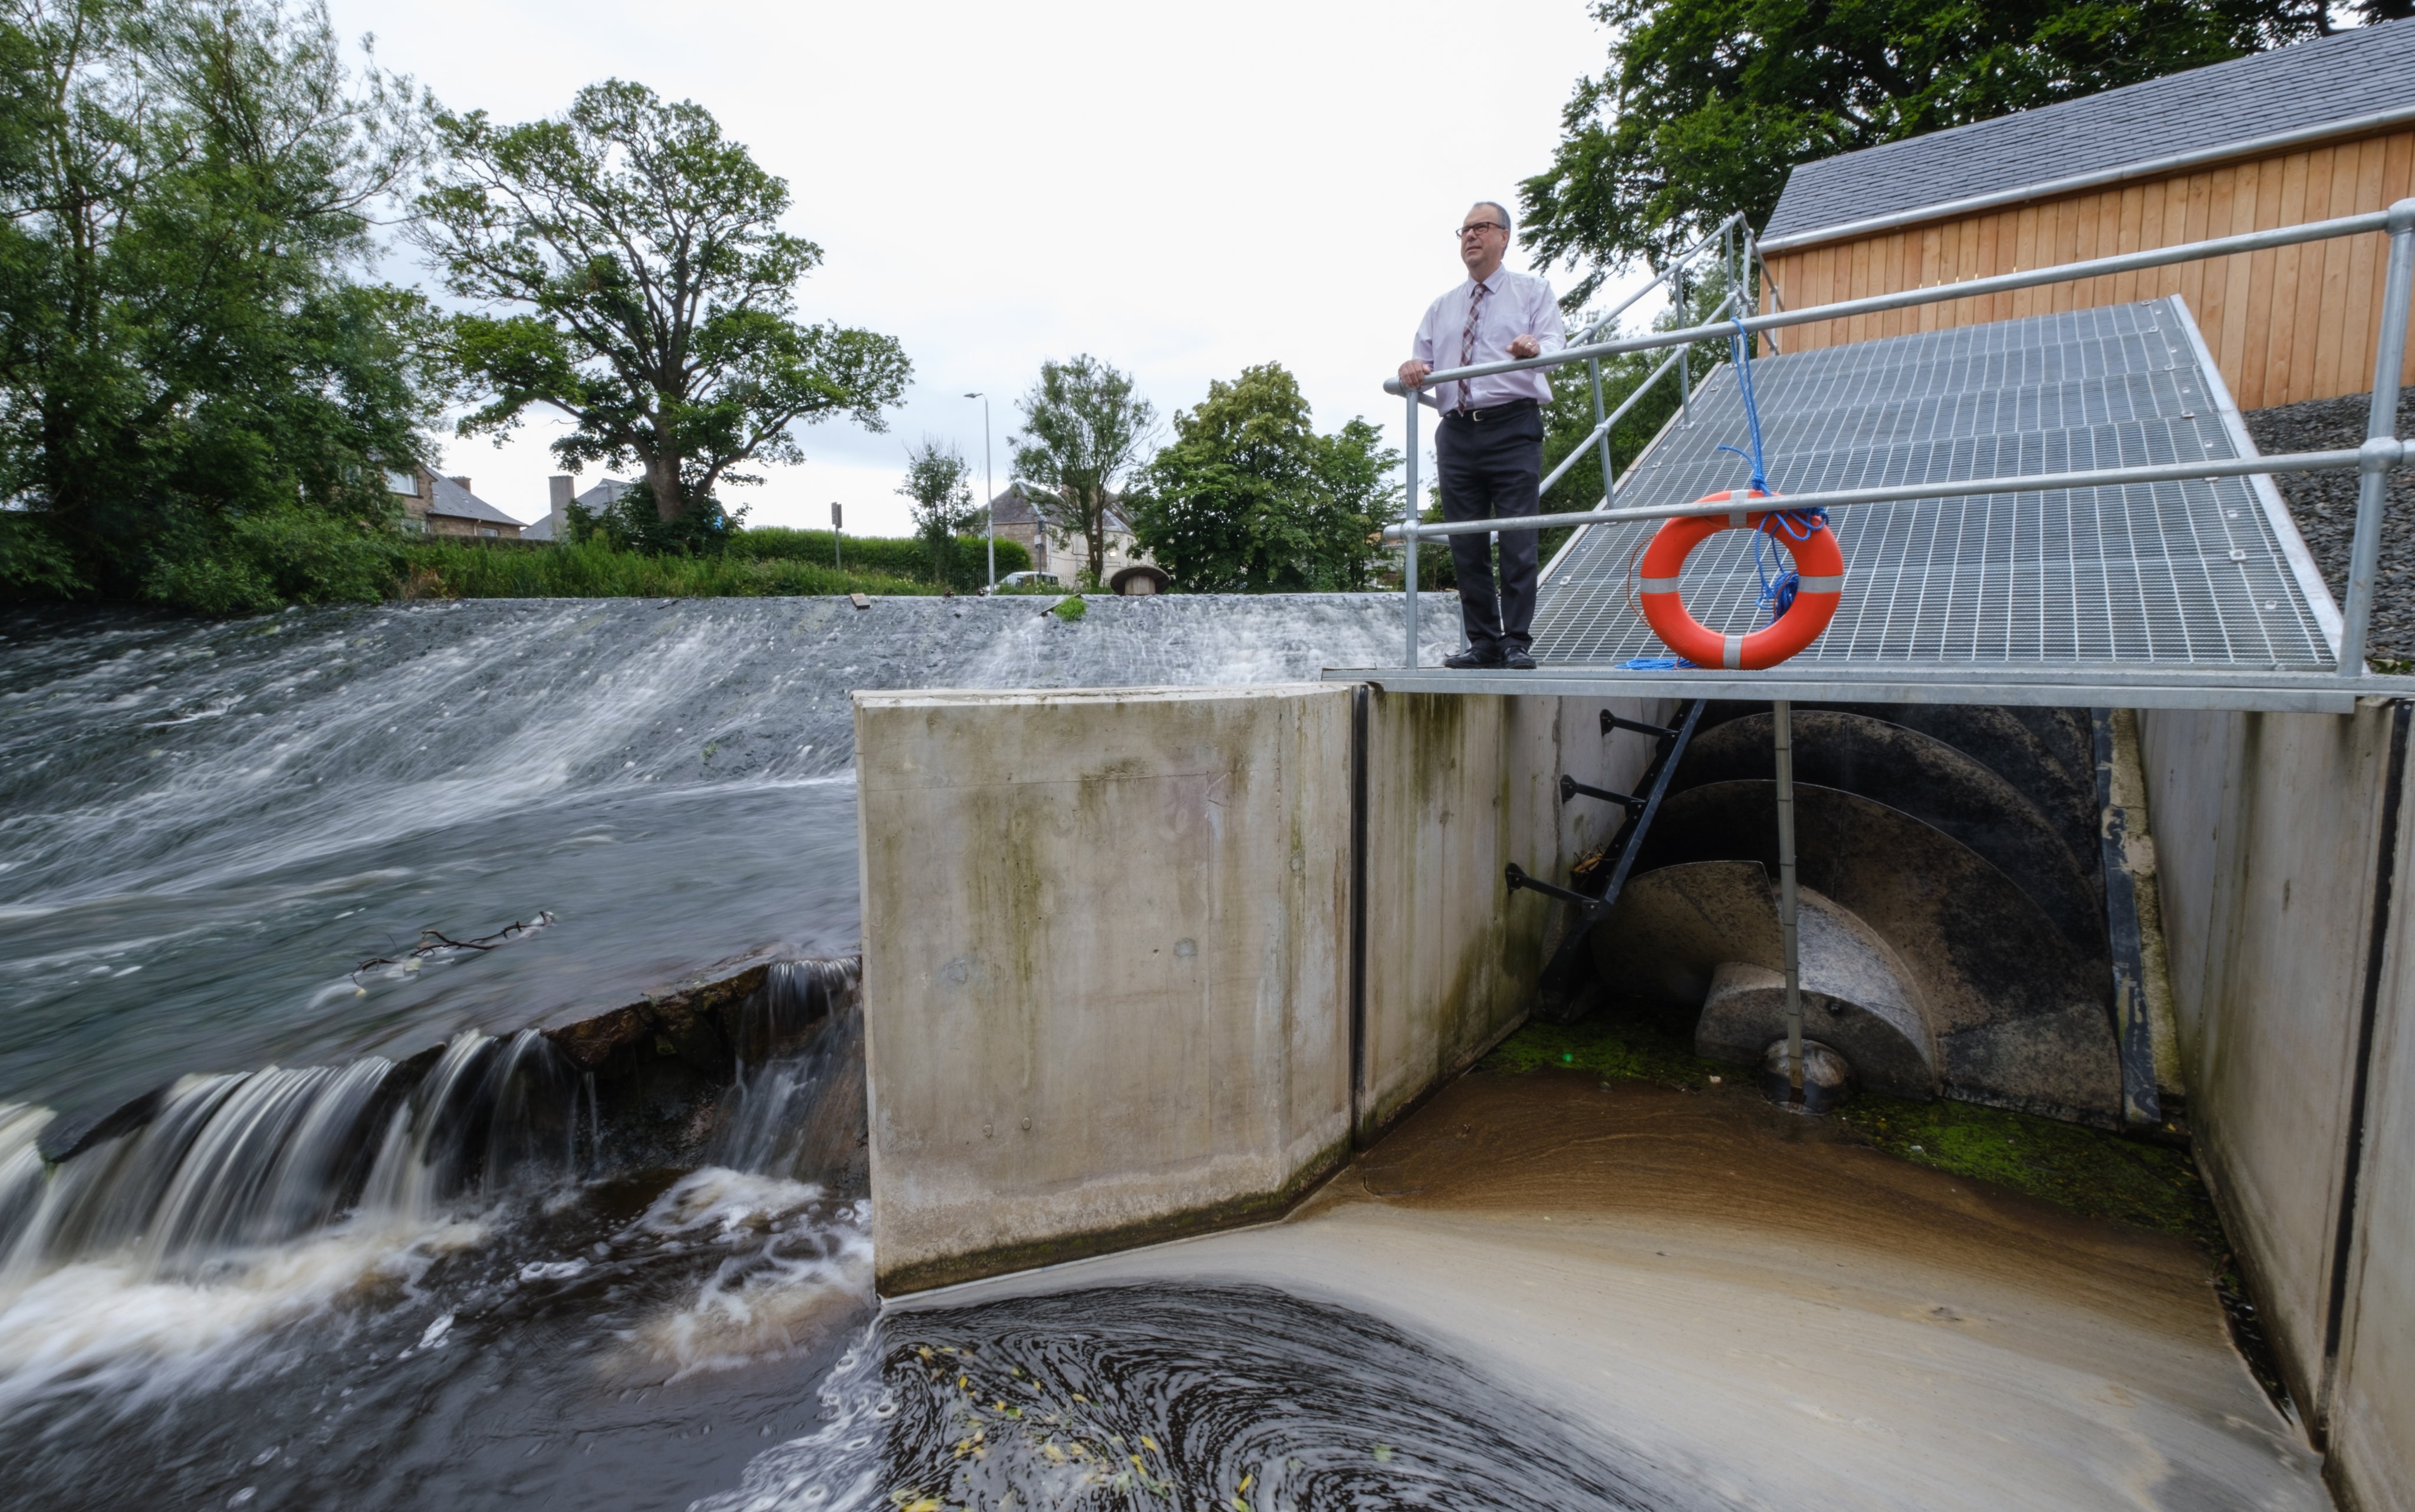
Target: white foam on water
793,1261
112,1325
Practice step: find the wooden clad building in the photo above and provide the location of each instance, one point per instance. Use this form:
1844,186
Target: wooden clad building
2303,133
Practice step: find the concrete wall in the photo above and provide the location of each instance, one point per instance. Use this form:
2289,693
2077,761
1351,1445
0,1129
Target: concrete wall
2267,839
1458,787
1107,964
1106,969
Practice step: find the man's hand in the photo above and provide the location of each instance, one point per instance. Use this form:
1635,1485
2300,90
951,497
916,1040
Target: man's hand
1525,346
1413,373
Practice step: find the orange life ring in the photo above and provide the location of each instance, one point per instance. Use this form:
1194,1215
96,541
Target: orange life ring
1820,564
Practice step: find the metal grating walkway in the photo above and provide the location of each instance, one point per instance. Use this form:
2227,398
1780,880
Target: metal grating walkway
2206,576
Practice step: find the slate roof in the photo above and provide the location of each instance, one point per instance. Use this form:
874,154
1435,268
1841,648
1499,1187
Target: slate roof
2365,71
602,495
449,498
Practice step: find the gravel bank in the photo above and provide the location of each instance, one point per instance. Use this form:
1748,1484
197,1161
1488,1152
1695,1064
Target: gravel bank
2324,506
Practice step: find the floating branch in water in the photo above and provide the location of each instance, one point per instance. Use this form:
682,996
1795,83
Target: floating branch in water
434,941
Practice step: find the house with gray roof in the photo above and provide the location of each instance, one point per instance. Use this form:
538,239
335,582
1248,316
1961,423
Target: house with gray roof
435,504
2303,133
562,495
1018,514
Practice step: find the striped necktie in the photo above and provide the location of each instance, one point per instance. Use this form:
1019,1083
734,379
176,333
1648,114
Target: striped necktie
1467,343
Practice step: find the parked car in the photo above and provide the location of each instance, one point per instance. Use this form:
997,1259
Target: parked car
1029,579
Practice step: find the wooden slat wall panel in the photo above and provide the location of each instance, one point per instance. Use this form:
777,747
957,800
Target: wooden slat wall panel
2287,325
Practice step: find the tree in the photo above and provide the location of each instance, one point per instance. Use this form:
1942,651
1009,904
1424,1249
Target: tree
1083,427
941,488
1227,504
652,298
1707,103
1248,496
1360,499
198,391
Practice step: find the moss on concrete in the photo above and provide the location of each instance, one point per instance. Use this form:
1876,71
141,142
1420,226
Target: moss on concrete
1617,1048
2087,1171
1071,609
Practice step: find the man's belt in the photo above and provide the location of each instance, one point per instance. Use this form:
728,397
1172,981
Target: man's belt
1491,412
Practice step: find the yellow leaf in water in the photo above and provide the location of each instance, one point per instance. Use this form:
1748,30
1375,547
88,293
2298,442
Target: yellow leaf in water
1056,1455
1150,1444
1240,1506
1136,1460
928,1503
1246,1479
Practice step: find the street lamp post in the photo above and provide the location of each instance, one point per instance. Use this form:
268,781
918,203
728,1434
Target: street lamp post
989,492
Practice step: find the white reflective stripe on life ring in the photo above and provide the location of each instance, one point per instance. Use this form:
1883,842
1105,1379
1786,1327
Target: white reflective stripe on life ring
1732,654
1659,585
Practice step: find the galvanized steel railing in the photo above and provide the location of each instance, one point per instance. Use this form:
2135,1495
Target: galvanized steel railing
2381,452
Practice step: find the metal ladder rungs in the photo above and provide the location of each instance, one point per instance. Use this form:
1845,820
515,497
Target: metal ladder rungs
1611,722
1571,788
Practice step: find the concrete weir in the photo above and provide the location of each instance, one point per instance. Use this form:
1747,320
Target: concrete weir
1121,983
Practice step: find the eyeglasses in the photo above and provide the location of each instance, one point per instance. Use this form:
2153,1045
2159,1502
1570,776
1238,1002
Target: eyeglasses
1479,225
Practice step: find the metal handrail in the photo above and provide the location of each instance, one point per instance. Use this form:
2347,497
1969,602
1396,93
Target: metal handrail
1603,428
1676,265
2256,240
2380,454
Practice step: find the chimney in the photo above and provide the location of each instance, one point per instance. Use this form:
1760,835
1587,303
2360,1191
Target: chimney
464,482
556,515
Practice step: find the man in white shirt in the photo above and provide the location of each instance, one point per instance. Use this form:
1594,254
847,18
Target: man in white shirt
1489,448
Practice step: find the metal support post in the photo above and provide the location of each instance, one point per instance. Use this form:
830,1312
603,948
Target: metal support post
1782,722
2381,425
1685,354
1752,302
1607,491
1409,537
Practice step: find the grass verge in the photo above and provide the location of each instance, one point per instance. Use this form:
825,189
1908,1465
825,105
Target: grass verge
594,570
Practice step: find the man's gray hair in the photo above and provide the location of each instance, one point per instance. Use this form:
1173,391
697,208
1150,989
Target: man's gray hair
1500,213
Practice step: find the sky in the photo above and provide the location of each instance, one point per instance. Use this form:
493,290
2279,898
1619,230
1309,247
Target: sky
1181,192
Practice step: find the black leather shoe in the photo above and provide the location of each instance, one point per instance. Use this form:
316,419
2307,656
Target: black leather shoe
1466,661
1518,661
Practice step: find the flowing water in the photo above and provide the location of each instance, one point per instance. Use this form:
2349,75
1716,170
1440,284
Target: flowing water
297,1205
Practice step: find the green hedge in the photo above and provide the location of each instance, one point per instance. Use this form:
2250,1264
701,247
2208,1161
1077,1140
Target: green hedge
509,569
964,567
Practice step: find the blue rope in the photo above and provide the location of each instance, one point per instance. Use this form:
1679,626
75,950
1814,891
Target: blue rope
1777,595
1740,351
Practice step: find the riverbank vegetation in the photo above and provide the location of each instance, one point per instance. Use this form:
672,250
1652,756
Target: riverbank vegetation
755,564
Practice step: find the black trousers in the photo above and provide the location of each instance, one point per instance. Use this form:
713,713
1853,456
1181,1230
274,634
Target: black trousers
1489,466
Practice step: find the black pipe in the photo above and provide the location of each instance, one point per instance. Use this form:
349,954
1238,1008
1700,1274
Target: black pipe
1360,700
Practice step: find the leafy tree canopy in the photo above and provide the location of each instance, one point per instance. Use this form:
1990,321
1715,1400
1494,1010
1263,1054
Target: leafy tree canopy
1706,104
1084,425
631,274
198,392
1248,497
939,487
